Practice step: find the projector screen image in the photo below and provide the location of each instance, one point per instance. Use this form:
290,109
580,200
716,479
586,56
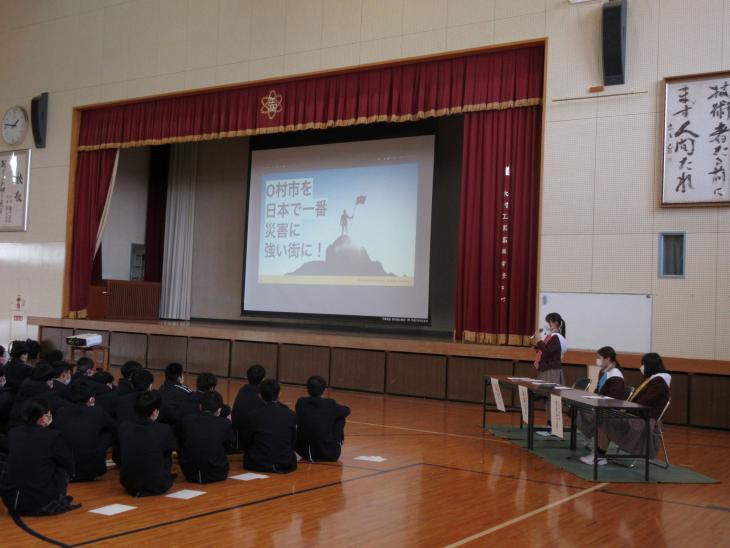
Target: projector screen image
341,229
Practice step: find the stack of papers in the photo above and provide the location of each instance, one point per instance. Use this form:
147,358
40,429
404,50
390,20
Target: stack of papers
248,476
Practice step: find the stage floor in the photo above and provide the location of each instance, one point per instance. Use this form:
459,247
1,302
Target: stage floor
445,482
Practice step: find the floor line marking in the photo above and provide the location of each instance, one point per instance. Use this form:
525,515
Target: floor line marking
432,432
523,517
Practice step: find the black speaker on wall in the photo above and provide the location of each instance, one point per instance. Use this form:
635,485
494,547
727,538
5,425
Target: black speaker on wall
614,42
39,118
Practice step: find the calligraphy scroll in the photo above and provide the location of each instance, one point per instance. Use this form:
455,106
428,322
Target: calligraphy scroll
696,131
14,180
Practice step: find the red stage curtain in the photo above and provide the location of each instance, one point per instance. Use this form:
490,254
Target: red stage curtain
93,176
497,270
397,93
154,238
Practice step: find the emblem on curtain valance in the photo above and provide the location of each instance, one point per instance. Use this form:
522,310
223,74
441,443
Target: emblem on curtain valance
271,104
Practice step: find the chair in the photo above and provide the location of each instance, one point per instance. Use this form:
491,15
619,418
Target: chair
582,384
660,427
628,391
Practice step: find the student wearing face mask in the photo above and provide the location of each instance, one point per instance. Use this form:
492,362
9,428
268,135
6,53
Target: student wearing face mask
628,434
550,347
610,383
39,466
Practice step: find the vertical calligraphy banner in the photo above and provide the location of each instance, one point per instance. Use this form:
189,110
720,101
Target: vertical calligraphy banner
696,163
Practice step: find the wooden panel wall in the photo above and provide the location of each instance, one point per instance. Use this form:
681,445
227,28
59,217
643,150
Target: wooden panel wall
709,401
466,379
244,354
57,337
163,349
124,347
358,369
209,356
416,375
299,362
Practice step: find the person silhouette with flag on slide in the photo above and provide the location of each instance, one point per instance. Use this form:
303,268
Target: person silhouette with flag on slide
345,217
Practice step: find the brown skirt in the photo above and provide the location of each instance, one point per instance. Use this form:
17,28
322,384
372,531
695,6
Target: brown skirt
628,434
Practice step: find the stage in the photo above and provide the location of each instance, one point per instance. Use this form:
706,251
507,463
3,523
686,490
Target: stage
421,367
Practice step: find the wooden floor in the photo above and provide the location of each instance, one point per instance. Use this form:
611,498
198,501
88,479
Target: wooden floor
444,483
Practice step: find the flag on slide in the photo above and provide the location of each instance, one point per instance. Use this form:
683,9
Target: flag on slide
360,200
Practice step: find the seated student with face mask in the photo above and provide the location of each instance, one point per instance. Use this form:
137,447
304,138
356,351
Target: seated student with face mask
39,466
206,437
61,376
610,383
320,424
142,381
84,368
87,429
18,368
272,434
124,386
628,433
146,449
38,384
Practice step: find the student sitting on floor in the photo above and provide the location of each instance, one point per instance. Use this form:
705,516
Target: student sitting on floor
38,384
272,434
247,400
102,382
84,368
87,429
320,424
142,381
628,433
124,386
146,449
17,369
610,383
61,376
206,437
174,393
206,382
39,466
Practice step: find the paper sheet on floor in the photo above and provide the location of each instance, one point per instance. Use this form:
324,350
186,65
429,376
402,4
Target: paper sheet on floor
248,476
112,509
185,494
373,458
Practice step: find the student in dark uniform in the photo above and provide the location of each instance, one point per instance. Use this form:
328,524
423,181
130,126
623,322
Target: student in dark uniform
146,449
39,466
38,384
610,383
206,382
550,347
84,368
271,435
124,386
61,376
101,382
628,434
142,381
174,393
87,429
320,424
17,369
206,437
247,400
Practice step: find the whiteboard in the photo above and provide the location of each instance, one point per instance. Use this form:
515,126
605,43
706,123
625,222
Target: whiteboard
593,320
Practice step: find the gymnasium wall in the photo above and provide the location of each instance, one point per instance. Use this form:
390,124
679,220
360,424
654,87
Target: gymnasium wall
600,219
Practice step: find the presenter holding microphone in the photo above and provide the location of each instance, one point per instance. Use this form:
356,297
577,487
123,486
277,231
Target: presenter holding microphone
550,346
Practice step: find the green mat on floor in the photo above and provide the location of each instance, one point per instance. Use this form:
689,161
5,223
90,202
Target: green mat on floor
557,452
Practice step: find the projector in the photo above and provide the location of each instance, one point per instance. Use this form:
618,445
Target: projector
84,339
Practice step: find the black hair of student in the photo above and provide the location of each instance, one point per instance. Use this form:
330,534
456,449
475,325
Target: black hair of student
142,379
173,372
147,403
653,364
205,382
129,367
34,409
255,374
17,349
269,390
33,348
42,372
211,401
53,356
316,385
59,368
84,364
2,350
103,377
610,354
554,317
79,391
